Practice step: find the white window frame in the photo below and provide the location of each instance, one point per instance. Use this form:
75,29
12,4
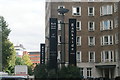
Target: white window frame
109,42
81,71
89,72
106,12
78,60
91,43
93,13
107,56
78,27
74,11
116,38
59,55
59,8
89,53
108,26
93,28
59,39
59,24
78,43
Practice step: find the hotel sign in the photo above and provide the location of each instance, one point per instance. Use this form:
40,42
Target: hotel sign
72,42
53,40
42,53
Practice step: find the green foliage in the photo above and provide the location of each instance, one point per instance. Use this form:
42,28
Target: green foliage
40,71
8,55
62,72
19,61
8,51
30,71
69,72
52,74
26,59
5,30
28,62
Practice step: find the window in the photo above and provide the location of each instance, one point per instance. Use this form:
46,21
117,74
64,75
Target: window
59,24
76,11
106,25
59,39
81,72
90,11
91,26
91,41
89,72
78,40
116,22
116,38
107,56
106,10
107,40
59,8
115,6
59,56
91,56
78,25
78,56
90,0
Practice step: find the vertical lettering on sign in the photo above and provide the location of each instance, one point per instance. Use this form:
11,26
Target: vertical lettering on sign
42,53
72,42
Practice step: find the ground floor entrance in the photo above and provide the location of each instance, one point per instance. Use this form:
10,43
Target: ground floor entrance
107,71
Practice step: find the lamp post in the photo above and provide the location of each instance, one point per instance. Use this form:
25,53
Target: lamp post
62,11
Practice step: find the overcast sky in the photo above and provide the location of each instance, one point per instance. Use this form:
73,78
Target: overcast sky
26,19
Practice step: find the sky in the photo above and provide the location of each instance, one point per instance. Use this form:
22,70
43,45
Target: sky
26,19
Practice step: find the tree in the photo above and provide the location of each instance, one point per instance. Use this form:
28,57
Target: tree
5,30
19,61
30,70
26,59
8,51
52,74
69,72
28,62
40,71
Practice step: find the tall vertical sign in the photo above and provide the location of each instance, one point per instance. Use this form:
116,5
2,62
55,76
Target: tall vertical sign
42,53
72,42
53,40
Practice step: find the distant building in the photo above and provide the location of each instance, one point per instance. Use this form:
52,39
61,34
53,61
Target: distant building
35,57
19,50
25,52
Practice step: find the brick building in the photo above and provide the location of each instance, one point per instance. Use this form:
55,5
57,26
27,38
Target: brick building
97,40
34,57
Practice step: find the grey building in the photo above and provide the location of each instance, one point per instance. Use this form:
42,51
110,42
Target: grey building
97,40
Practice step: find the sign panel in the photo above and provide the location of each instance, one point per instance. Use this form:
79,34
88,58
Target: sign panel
42,53
53,43
21,70
72,42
